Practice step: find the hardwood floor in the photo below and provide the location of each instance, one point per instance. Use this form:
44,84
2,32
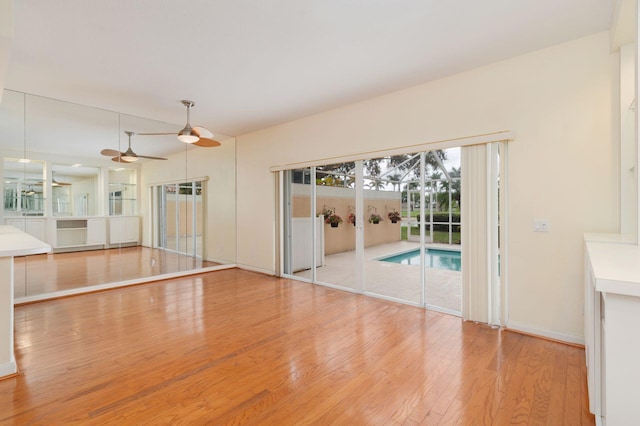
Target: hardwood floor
46,273
236,347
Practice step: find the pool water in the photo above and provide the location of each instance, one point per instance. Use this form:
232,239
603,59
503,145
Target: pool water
438,259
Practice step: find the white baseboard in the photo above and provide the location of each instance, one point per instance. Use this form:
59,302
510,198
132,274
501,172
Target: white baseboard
220,261
550,334
255,269
8,368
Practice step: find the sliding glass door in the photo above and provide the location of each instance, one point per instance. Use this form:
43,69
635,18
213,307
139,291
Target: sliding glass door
319,225
181,217
387,227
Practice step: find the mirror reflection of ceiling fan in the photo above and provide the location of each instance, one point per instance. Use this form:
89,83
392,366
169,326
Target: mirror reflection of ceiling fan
194,135
30,190
128,156
54,182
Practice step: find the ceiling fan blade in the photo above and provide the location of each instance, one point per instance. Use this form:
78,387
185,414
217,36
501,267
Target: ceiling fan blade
63,183
110,152
201,132
151,158
207,143
155,134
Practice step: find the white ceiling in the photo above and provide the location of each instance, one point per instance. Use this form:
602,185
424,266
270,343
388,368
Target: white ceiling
250,64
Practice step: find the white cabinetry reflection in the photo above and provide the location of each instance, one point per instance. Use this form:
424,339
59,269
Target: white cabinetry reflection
124,230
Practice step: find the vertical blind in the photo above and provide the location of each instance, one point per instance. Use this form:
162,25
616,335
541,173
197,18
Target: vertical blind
480,166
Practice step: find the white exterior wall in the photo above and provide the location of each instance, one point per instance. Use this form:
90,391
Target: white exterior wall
563,165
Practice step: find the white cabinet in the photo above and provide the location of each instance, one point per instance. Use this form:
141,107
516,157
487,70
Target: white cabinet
612,315
36,227
124,229
13,243
71,234
96,231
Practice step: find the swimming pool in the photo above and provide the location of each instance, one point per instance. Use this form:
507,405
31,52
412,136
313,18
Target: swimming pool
438,259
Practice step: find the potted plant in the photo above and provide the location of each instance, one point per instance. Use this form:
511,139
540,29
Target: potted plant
326,213
394,216
352,219
333,219
375,218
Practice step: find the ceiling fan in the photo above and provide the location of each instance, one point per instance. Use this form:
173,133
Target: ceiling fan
193,135
128,156
54,182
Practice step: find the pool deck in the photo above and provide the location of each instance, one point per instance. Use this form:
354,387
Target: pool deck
443,287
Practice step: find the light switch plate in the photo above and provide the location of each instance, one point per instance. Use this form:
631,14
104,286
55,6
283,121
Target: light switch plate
541,225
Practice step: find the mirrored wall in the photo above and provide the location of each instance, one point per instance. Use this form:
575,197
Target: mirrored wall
100,215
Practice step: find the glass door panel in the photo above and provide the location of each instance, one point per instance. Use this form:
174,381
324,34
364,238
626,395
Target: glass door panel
181,218
390,268
442,267
185,218
336,220
169,215
298,226
198,219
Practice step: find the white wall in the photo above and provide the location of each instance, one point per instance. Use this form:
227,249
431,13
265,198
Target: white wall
6,38
627,125
219,165
563,163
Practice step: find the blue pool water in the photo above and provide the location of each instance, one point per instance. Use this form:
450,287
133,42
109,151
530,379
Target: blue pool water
438,259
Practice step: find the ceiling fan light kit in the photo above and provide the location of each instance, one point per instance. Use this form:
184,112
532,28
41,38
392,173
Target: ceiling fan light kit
128,156
187,135
198,136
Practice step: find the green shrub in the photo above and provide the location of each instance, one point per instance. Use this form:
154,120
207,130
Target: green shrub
443,217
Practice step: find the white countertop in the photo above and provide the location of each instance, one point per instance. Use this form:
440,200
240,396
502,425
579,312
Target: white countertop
14,242
609,238
616,267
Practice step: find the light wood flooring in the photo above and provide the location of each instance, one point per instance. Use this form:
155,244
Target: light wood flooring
46,273
236,347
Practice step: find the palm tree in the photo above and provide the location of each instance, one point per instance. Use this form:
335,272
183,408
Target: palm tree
376,183
410,162
443,197
372,166
395,181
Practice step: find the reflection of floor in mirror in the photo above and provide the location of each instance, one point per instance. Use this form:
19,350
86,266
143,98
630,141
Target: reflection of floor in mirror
184,244
443,288
46,273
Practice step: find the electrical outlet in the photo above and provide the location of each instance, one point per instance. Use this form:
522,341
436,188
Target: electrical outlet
541,225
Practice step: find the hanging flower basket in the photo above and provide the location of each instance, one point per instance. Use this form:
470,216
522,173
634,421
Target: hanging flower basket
326,213
352,219
333,219
394,217
375,218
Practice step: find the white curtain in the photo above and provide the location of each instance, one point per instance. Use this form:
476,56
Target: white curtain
480,282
